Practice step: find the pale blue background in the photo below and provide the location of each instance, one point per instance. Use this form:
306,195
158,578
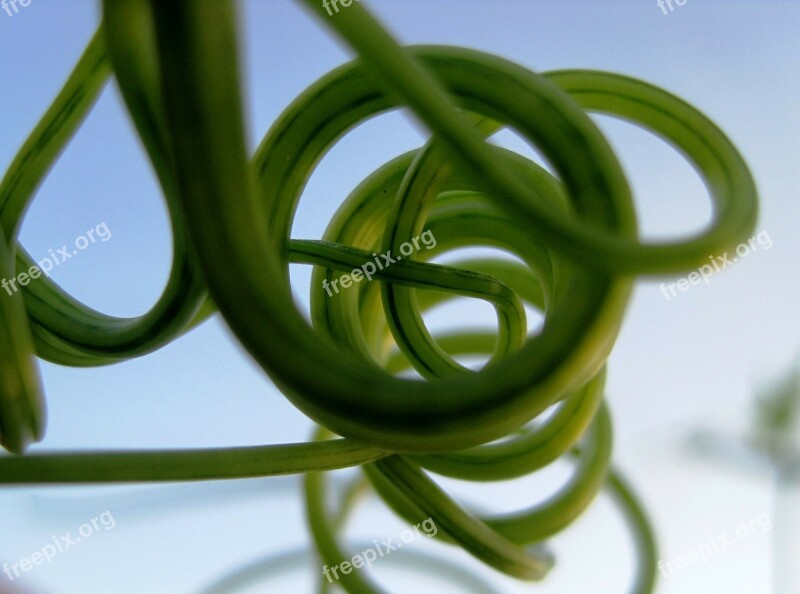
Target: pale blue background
678,365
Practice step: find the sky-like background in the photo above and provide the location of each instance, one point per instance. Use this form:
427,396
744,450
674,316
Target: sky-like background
689,363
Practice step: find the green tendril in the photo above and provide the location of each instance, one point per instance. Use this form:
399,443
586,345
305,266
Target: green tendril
536,398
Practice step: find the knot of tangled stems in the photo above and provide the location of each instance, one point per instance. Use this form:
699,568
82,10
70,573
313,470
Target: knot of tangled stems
573,232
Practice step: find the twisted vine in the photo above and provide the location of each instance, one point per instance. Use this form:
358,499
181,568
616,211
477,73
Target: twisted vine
573,231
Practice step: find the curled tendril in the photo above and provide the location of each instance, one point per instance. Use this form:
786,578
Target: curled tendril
574,233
